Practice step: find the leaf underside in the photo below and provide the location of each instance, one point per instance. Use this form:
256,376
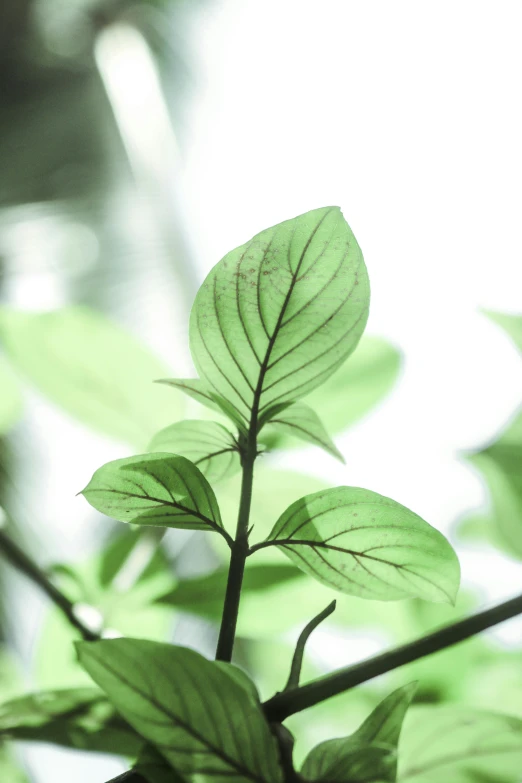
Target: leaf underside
362,543
278,315
204,717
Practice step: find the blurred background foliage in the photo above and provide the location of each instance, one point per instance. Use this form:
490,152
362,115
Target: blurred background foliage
96,280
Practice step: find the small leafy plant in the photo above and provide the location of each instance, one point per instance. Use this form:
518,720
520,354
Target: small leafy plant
274,319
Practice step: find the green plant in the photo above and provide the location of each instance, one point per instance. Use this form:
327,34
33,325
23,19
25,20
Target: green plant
271,323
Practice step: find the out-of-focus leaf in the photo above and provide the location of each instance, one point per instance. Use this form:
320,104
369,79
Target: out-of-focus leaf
162,490
370,754
79,718
9,769
501,465
148,557
362,543
302,422
512,324
10,398
353,390
197,712
460,745
279,314
205,595
93,369
207,444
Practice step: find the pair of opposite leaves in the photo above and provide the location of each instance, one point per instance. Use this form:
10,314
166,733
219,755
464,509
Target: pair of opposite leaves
271,322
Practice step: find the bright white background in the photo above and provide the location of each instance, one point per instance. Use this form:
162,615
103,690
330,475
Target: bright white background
407,115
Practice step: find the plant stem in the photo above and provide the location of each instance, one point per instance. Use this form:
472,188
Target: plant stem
282,705
297,660
238,556
18,558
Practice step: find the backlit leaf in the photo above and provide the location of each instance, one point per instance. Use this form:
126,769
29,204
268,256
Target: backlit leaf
279,314
512,324
195,712
79,718
365,544
302,422
207,444
164,490
93,369
203,393
343,759
460,745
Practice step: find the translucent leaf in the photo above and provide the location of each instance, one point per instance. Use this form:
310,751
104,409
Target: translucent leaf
93,369
10,398
79,718
196,712
501,465
205,595
278,315
203,393
302,422
164,490
339,759
207,444
365,544
460,745
9,769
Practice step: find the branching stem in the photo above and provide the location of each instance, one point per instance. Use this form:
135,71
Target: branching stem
18,558
297,660
282,705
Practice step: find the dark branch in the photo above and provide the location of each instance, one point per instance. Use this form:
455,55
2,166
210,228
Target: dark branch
282,705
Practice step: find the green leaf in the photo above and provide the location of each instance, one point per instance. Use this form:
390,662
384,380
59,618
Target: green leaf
278,315
302,422
139,547
203,393
344,759
93,369
207,444
365,544
196,712
79,718
9,769
164,490
512,324
204,595
500,464
154,768
460,745
10,398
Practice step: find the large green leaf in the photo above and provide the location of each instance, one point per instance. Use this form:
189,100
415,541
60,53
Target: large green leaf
207,444
79,718
343,759
10,398
204,595
197,713
164,490
93,369
365,544
302,422
460,745
278,315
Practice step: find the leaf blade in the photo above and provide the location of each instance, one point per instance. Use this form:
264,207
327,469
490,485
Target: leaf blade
162,490
330,535
207,444
278,315
200,717
302,422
